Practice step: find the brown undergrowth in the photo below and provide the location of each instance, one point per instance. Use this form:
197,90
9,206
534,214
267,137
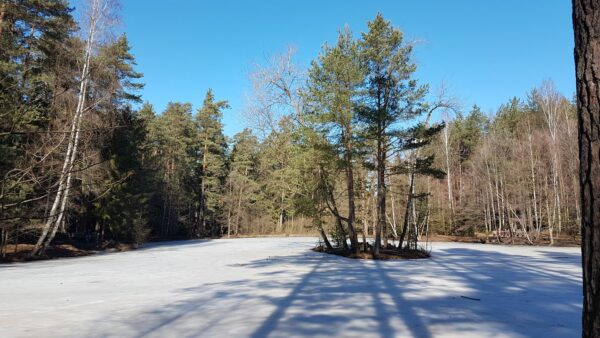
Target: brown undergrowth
21,252
389,253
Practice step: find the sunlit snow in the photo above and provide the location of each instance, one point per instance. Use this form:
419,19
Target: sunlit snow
276,287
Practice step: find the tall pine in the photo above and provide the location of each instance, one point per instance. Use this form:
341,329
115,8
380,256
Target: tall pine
212,165
334,84
392,96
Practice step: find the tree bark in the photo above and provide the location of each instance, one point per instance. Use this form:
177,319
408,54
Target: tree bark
409,201
229,210
381,193
533,181
322,231
586,24
202,197
332,206
350,186
448,176
279,228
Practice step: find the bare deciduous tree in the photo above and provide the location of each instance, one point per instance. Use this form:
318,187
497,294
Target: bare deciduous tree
276,88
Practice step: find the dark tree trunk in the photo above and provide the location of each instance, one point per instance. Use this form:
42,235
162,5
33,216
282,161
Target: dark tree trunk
381,192
202,196
325,239
409,201
350,186
586,24
332,206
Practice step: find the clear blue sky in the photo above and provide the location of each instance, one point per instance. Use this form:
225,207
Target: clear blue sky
485,51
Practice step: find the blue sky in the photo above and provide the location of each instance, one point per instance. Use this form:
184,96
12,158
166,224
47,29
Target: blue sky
484,51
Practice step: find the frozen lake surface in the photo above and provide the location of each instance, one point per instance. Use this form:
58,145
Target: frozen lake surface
276,287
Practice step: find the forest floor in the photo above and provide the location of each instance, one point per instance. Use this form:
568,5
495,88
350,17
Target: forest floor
20,252
278,287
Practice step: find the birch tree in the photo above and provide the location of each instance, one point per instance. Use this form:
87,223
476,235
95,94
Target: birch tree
100,17
550,102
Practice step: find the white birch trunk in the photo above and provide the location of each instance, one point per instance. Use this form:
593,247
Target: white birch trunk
64,184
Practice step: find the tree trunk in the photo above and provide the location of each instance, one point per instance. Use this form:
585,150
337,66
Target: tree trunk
319,222
332,206
202,197
365,202
393,222
350,186
409,201
586,24
533,181
2,243
238,212
279,228
448,176
381,191
229,210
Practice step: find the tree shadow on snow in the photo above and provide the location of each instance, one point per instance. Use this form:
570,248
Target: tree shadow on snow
313,294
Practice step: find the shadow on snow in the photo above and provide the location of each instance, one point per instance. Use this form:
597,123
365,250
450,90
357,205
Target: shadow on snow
313,294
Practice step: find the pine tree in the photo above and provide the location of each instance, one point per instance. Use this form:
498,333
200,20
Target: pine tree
124,210
277,175
419,163
34,43
333,87
586,18
242,180
121,192
467,132
392,96
212,165
316,164
173,145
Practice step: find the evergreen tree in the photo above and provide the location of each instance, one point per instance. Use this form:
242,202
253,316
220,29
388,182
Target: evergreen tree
34,44
125,211
317,166
212,164
277,175
468,131
242,181
173,145
121,204
333,86
419,163
392,96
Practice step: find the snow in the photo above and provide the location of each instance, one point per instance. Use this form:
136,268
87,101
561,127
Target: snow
276,287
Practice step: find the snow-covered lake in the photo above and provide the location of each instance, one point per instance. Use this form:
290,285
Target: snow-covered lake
276,287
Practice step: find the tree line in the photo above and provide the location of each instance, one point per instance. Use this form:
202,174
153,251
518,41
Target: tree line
511,175
352,148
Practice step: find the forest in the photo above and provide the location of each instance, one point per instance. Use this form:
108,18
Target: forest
354,146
